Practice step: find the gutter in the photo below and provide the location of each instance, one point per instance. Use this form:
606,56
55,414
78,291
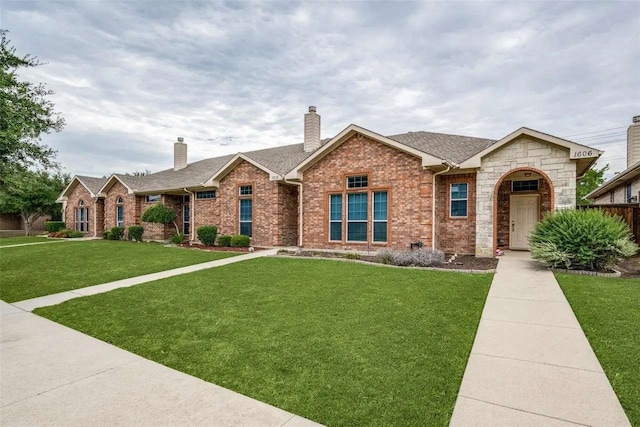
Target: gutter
300,200
192,214
433,203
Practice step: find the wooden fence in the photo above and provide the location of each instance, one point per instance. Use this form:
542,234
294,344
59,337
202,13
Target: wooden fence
630,213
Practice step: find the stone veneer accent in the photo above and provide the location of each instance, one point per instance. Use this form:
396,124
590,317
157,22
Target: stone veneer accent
524,152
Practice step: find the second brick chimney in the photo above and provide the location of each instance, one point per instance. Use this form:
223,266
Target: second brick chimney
179,154
633,142
311,130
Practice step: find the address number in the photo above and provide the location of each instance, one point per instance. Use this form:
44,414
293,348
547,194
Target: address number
583,153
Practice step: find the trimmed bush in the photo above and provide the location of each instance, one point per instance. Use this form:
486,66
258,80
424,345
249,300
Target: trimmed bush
177,238
105,235
240,241
135,232
75,234
117,233
53,226
207,234
420,258
224,240
586,239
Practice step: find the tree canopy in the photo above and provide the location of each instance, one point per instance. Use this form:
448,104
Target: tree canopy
591,180
25,114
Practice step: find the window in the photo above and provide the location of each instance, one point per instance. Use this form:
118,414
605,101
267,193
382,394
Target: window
206,194
186,213
357,217
458,202
380,203
611,196
335,217
245,190
153,198
119,212
531,185
82,217
246,216
361,181
627,193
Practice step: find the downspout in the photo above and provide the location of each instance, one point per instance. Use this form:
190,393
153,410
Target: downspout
192,214
299,184
433,204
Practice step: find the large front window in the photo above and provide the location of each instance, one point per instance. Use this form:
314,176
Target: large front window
119,212
246,217
357,217
82,218
458,200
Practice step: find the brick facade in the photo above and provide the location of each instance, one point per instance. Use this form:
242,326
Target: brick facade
455,235
80,193
118,190
409,190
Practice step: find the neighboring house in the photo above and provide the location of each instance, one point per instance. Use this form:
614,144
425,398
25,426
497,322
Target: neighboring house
11,222
358,190
624,187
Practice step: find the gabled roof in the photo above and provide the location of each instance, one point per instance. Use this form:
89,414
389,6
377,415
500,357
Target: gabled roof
92,184
452,148
617,180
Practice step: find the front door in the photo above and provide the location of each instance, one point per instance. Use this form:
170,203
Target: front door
524,215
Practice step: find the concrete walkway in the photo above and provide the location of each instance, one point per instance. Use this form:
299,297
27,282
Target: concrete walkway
47,300
55,376
531,364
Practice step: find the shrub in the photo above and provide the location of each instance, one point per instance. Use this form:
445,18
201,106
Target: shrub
177,238
135,232
111,236
75,234
240,240
352,256
420,258
61,234
105,235
224,240
586,239
53,226
116,233
207,234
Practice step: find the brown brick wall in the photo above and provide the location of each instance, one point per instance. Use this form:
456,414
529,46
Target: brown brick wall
504,206
409,190
73,201
206,212
129,204
455,235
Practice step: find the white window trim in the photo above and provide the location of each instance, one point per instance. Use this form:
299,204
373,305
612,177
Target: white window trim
451,199
240,221
346,184
373,216
146,198
215,195
519,180
341,216
247,194
366,221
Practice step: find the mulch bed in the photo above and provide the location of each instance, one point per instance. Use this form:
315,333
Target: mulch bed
462,262
219,248
630,267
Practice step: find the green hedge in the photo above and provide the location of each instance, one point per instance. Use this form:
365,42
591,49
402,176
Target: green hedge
224,240
207,234
116,233
240,240
53,226
135,232
587,239
177,238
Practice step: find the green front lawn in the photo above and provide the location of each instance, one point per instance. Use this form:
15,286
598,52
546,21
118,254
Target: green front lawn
37,270
609,312
339,343
5,241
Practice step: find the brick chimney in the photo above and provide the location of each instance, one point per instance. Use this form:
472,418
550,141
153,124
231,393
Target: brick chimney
633,142
179,154
311,130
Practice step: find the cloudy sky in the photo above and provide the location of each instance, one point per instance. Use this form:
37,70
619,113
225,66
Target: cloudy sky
129,77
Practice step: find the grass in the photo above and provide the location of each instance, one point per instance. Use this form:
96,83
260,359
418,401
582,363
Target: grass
5,241
340,343
37,270
609,314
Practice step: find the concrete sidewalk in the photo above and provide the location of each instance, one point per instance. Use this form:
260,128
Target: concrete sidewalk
531,364
53,375
53,299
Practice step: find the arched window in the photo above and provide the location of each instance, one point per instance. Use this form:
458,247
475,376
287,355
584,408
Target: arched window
119,212
82,217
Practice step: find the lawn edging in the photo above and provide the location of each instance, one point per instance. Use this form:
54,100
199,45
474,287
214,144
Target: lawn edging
614,274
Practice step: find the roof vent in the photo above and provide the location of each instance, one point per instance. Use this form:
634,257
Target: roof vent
636,119
312,109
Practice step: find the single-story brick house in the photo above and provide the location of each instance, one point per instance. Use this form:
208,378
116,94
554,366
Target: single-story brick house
357,190
624,187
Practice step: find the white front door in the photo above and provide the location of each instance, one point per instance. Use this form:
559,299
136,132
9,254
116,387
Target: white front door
524,214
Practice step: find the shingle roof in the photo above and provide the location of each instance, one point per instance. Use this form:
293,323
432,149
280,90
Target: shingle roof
283,159
93,184
453,148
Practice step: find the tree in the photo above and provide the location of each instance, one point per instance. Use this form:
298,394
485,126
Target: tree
160,214
32,195
592,179
25,114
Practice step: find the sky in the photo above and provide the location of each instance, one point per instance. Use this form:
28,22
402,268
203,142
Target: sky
130,77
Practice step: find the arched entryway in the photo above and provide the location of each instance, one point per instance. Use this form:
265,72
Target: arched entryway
521,198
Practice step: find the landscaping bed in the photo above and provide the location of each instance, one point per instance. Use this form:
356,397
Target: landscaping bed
343,344
630,267
220,248
461,262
